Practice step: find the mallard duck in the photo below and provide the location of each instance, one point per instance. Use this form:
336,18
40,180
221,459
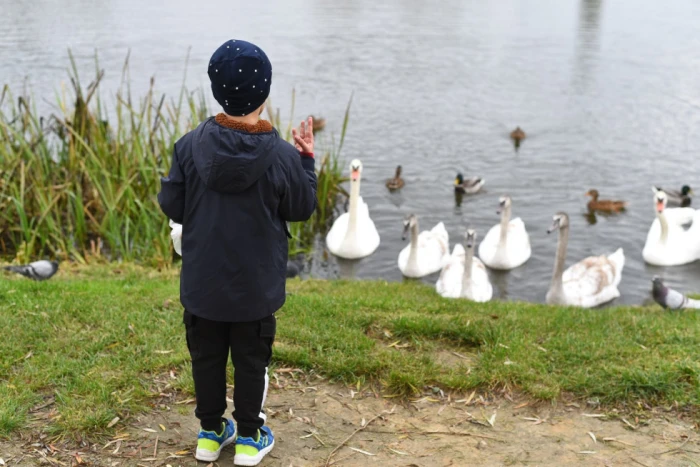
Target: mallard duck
604,205
680,198
318,123
518,135
469,185
397,182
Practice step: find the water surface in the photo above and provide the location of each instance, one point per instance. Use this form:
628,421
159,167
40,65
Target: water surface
607,91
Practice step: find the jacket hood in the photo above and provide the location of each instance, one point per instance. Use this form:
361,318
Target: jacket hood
229,160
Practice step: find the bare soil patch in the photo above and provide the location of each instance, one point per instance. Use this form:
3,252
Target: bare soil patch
318,424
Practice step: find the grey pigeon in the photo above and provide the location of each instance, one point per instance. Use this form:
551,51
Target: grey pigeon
38,270
671,299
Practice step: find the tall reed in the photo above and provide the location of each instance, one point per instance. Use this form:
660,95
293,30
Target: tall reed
83,182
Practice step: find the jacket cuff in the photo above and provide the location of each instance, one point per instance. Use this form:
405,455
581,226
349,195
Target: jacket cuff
307,162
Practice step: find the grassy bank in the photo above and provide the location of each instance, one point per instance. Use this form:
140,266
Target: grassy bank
103,342
84,179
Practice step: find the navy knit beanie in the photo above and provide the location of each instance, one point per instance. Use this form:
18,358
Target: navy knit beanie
241,75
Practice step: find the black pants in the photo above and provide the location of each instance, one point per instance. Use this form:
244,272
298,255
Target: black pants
250,345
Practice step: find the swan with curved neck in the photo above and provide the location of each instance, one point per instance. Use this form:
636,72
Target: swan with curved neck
507,244
669,242
426,253
588,283
465,276
353,234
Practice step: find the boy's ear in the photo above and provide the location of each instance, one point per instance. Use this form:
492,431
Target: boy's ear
261,109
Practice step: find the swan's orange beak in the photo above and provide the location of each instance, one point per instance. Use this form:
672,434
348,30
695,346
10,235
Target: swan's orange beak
659,206
354,175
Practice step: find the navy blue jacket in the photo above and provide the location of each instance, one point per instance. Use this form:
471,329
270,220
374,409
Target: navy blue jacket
233,193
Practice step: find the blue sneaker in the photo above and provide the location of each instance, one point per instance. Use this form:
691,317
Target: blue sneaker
251,451
210,443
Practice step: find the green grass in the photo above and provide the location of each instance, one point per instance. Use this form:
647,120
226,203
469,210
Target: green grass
95,339
84,179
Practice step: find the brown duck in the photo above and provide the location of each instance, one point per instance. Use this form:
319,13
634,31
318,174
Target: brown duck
517,135
397,182
319,123
604,205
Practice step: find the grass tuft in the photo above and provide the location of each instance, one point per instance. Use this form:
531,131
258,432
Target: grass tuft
81,183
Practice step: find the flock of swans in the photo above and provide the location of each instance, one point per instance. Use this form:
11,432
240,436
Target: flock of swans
673,239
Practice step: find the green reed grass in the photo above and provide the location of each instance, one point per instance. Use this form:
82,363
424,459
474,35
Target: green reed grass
83,182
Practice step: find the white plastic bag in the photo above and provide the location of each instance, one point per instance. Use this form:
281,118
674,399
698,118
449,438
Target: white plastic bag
176,235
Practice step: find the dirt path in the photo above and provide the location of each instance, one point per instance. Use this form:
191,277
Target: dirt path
312,418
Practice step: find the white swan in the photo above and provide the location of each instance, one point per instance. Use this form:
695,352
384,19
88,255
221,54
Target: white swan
465,276
506,245
427,252
588,283
353,234
668,242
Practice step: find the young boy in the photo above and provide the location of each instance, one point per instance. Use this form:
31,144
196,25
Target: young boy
233,185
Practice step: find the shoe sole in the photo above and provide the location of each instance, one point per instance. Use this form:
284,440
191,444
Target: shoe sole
251,461
208,456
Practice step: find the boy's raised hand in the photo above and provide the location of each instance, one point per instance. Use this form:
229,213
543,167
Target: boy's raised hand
304,137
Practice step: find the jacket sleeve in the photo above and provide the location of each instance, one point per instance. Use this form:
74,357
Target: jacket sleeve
298,201
172,192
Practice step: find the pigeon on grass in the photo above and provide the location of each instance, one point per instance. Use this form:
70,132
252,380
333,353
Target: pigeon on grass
38,270
671,299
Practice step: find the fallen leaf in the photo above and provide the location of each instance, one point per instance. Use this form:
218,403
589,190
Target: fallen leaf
398,452
150,430
469,399
186,401
184,452
521,406
593,415
2,461
362,452
586,452
492,420
114,421
364,422
164,352
29,355
590,433
629,424
162,427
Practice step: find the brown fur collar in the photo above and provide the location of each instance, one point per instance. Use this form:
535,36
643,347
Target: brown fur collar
263,126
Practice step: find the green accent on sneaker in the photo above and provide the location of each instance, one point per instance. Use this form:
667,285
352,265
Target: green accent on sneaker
208,444
246,450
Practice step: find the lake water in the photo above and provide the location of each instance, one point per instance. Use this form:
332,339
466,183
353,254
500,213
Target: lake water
608,92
